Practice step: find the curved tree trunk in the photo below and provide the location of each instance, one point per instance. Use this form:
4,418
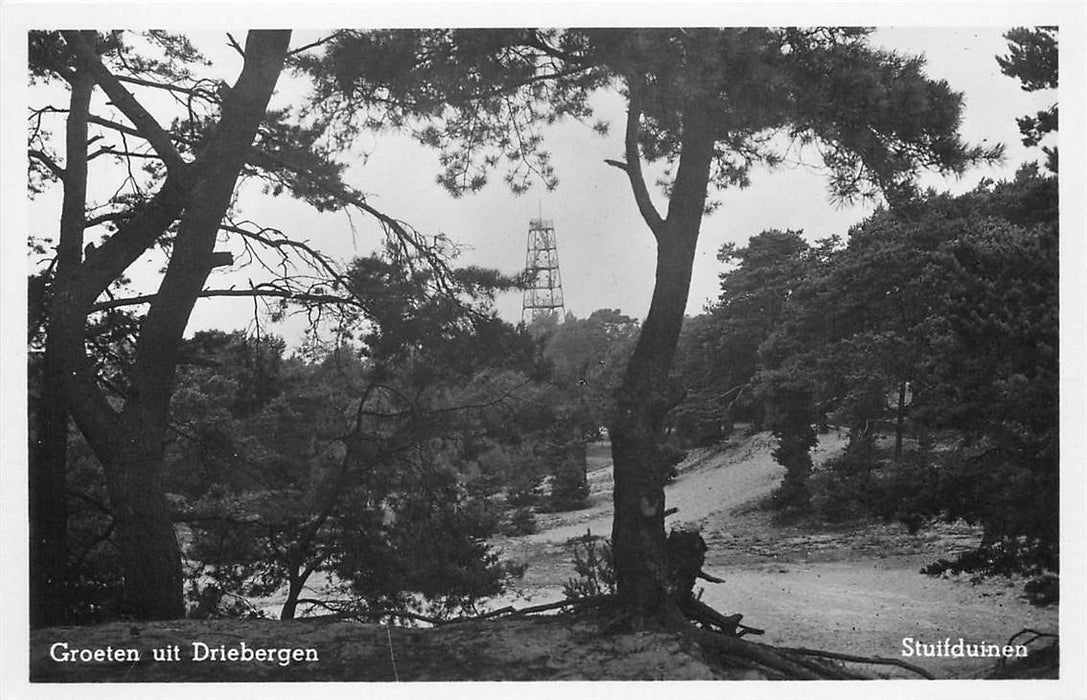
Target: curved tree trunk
638,537
644,396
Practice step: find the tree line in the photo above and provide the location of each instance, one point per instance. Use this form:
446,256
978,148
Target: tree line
930,334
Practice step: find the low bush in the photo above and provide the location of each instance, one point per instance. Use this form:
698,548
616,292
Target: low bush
594,567
521,521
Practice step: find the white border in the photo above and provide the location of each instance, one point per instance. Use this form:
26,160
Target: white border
18,17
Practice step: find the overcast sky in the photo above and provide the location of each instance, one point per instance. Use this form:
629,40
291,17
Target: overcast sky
605,251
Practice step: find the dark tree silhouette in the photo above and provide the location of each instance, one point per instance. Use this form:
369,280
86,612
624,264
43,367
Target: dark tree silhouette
175,195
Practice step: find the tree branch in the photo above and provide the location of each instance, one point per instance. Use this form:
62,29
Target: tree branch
405,237
253,292
260,236
210,95
114,216
315,44
220,163
109,151
234,44
633,165
148,127
100,121
44,158
142,226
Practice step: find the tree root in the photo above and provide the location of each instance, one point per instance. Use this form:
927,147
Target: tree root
762,656
721,634
876,660
718,634
699,612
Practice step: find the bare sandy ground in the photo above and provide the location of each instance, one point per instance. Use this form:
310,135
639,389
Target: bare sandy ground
853,589
711,480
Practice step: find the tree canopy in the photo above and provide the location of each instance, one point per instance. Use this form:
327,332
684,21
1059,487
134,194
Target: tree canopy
1033,60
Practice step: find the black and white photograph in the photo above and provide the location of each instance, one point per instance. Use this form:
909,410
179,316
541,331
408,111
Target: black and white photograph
446,344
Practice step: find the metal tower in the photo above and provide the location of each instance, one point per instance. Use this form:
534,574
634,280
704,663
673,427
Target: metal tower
543,295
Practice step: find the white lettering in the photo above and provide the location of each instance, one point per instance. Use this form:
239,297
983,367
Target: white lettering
960,648
61,651
243,652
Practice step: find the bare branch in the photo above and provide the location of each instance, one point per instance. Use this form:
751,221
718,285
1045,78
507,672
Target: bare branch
257,291
109,151
112,216
235,45
315,44
402,234
147,125
262,237
210,95
100,121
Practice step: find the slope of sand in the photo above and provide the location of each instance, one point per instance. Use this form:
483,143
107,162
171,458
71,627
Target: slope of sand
852,589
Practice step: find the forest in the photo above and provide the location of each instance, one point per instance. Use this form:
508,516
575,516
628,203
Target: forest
384,469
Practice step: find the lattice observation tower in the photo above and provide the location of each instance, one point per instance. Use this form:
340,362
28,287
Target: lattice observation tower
543,295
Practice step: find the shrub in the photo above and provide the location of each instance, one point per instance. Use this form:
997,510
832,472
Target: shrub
523,490
569,487
1003,557
522,521
844,488
594,567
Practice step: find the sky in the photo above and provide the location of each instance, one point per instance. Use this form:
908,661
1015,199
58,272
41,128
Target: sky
606,253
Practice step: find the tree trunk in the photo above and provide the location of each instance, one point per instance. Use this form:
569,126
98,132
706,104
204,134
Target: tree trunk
148,545
638,537
130,444
47,486
294,592
48,511
643,397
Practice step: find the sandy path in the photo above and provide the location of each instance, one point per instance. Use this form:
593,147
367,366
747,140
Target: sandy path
854,591
710,480
868,608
